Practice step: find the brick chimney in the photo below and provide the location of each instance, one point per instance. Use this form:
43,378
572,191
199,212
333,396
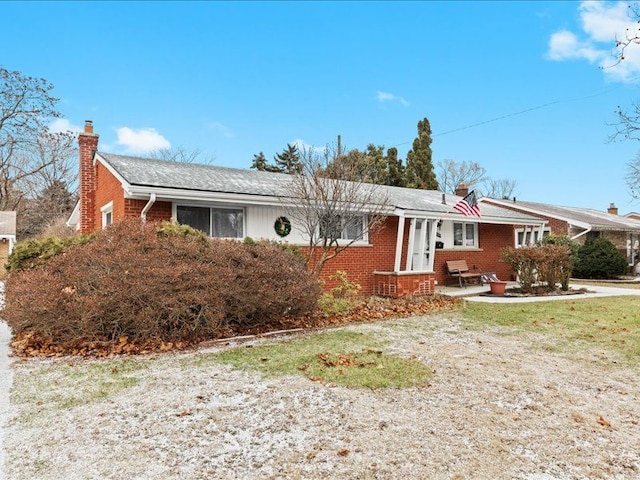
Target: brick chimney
612,210
88,145
462,190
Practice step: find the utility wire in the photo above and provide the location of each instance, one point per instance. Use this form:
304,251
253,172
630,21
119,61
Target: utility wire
538,107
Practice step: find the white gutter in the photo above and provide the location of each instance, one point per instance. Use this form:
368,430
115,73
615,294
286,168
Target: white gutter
587,230
147,207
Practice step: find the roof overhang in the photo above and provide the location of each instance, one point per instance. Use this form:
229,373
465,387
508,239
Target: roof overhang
456,217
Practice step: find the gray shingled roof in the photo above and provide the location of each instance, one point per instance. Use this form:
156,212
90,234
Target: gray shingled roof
596,219
147,172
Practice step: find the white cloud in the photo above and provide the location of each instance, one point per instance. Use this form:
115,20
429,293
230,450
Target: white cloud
142,140
63,125
390,97
602,23
222,129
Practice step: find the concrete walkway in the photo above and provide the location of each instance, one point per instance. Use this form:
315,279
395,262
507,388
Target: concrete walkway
6,378
472,293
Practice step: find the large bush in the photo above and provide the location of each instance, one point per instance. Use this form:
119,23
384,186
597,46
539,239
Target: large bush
142,282
541,266
599,258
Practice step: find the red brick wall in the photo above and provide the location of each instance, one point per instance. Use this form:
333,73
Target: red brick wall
159,210
110,190
361,262
492,239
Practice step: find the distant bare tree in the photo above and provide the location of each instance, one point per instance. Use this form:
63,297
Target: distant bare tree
503,188
450,174
26,106
181,154
332,213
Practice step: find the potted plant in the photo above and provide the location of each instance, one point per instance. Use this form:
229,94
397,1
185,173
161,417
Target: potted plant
498,287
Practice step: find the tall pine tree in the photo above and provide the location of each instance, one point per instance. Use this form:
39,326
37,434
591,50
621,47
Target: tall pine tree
289,160
419,170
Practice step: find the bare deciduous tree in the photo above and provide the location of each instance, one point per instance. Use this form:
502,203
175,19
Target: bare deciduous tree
450,174
502,188
330,212
181,154
26,106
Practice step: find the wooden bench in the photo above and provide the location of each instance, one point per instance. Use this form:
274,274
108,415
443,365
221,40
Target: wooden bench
460,270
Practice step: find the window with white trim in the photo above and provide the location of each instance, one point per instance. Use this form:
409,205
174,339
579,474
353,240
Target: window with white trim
336,227
524,236
107,214
465,234
214,221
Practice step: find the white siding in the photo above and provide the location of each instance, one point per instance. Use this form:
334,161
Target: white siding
260,224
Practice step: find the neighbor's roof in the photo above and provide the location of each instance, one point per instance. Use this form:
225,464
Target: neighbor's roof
7,223
152,173
582,217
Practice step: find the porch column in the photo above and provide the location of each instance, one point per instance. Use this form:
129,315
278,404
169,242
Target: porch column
433,229
399,241
412,235
421,243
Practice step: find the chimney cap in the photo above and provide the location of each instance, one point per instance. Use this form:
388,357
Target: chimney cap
88,126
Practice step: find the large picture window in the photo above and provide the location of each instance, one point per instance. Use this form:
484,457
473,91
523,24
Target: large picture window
465,234
335,227
215,222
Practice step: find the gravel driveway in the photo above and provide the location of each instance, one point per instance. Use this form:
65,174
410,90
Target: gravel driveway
498,407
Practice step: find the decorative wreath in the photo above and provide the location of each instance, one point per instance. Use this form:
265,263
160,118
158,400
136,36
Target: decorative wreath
282,226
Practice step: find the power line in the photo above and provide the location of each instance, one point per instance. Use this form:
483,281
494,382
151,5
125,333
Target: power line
599,92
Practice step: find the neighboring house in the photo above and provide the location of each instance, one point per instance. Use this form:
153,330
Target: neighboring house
578,223
406,256
7,236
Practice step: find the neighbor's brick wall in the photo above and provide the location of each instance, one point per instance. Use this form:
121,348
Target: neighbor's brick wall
556,226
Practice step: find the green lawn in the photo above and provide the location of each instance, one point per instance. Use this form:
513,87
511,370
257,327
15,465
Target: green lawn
347,358
611,323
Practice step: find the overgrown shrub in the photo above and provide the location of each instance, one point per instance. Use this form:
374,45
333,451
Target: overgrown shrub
599,258
156,282
543,265
341,299
34,252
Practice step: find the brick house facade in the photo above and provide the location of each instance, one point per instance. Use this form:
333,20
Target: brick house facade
405,256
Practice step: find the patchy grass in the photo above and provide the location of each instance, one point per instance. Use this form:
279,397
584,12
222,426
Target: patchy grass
67,385
610,323
343,357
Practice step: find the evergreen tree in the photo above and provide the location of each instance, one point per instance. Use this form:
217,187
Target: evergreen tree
289,160
395,169
259,162
419,170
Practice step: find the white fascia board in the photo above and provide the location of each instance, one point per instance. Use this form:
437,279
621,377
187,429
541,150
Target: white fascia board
105,164
139,192
74,218
456,217
570,221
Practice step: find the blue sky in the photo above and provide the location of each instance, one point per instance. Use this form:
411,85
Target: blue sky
233,79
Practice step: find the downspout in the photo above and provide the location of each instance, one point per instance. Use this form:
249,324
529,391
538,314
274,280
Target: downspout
147,207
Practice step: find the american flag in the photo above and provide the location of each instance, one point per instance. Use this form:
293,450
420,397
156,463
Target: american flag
468,206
